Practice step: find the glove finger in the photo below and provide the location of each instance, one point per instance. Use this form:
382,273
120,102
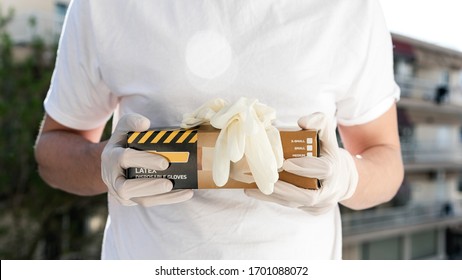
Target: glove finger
252,123
109,157
135,158
221,118
236,140
310,167
129,122
112,190
298,196
203,113
325,126
259,154
221,162
265,114
163,199
111,171
257,194
315,121
128,189
276,143
190,122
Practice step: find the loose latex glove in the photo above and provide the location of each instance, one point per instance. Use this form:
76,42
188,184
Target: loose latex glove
335,168
116,157
203,114
246,130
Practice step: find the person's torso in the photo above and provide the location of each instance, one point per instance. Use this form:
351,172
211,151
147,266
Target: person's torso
166,58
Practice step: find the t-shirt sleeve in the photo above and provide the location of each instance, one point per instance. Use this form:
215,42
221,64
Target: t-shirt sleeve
78,97
373,89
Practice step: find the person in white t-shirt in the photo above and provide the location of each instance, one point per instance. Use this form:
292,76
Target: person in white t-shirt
146,63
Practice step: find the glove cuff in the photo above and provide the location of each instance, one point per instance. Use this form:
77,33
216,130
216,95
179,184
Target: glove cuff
351,181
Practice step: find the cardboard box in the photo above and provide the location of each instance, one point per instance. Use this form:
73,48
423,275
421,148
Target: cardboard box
190,153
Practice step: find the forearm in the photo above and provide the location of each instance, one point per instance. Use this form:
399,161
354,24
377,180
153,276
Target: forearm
69,162
380,171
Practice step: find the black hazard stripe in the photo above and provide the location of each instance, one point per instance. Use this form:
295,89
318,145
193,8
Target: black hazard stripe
163,136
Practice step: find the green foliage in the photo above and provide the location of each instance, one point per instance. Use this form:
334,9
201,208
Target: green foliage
36,221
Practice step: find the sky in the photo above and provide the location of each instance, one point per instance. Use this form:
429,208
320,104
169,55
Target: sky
435,21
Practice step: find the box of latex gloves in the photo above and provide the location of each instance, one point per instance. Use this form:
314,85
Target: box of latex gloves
191,153
227,145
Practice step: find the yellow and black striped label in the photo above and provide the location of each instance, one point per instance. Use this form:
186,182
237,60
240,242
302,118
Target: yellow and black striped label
163,137
178,146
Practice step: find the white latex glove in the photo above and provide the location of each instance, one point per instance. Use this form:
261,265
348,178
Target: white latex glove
203,114
116,157
246,130
335,168
247,143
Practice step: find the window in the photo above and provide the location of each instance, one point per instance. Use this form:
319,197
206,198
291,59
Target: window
444,78
424,244
60,14
459,183
385,249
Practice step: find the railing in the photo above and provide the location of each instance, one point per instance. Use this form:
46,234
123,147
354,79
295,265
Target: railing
429,151
425,89
396,217
416,88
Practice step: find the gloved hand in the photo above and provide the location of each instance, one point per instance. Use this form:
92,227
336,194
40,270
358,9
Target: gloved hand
335,168
116,157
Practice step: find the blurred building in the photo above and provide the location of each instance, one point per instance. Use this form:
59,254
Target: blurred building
32,19
424,220
47,14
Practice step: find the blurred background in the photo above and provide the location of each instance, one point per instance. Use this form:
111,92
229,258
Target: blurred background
424,220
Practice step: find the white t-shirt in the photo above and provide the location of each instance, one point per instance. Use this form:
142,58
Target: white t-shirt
164,58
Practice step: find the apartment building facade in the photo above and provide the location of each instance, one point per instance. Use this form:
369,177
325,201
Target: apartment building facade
424,220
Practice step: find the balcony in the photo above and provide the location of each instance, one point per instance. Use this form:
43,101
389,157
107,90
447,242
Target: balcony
383,222
431,143
415,91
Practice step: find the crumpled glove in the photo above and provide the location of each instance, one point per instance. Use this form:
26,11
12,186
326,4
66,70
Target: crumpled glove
116,157
335,168
203,114
247,131
248,147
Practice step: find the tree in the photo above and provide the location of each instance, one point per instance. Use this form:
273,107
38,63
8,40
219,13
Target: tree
36,221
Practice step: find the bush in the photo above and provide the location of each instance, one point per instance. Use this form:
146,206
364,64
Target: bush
36,221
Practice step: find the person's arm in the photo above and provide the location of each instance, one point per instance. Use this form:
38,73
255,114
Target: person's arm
379,162
70,159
